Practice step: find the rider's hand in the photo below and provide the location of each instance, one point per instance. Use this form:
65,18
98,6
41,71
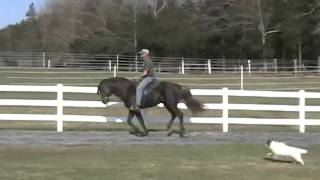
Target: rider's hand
138,78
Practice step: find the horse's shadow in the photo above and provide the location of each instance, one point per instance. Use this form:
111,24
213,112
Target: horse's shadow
170,133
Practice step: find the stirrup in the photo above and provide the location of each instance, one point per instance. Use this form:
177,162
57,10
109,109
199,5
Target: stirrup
135,108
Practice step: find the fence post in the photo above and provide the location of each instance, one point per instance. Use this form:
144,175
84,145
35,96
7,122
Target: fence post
136,63
302,111
49,64
295,67
319,64
209,66
241,81
275,61
117,62
110,67
43,60
249,67
182,66
225,115
115,71
59,107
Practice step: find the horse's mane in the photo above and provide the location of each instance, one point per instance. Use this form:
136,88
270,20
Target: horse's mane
125,80
118,79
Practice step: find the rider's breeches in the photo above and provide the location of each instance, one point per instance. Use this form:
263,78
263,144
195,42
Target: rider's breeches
142,85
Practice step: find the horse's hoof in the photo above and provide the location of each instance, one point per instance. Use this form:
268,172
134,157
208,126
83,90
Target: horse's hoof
138,133
182,135
141,135
134,132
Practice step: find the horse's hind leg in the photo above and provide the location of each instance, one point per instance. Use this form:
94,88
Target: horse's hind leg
170,132
174,113
180,116
141,120
173,116
135,130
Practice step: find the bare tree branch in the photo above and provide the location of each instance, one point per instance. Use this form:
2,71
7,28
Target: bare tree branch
311,11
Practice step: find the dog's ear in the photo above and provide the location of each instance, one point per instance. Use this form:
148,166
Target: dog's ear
269,141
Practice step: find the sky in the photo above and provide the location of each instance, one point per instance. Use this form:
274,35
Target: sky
13,11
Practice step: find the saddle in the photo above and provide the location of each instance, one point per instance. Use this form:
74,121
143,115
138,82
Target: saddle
155,83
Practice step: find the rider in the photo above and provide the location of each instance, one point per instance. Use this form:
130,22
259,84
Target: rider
147,77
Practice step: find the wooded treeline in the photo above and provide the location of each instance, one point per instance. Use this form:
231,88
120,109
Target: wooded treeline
282,29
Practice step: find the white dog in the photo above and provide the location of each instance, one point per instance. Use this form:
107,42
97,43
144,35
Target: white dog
280,149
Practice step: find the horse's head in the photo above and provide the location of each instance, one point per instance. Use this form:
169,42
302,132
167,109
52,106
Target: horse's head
104,90
119,87
105,100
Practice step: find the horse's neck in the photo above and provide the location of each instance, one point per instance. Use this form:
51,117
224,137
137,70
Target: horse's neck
119,93
124,93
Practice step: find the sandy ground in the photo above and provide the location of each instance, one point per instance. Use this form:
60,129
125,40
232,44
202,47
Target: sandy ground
51,138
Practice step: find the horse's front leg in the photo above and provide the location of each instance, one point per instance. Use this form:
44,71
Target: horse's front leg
141,120
135,130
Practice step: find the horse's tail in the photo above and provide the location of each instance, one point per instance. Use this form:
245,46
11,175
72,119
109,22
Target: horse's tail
194,105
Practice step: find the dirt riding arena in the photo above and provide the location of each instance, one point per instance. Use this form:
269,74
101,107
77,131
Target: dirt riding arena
51,138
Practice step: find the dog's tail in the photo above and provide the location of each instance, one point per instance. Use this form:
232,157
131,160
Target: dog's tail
300,150
303,151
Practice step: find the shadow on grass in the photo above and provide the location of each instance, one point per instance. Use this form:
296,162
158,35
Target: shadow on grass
278,160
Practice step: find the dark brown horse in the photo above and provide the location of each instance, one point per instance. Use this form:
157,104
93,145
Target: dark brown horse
166,92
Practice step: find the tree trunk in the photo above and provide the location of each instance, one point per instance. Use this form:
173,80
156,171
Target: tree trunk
135,37
157,9
262,30
300,56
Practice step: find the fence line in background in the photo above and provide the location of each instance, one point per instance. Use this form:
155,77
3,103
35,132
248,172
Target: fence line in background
225,106
179,65
24,79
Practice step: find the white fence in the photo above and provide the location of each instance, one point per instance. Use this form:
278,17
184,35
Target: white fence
181,65
225,106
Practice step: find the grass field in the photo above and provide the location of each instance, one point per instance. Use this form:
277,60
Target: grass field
157,162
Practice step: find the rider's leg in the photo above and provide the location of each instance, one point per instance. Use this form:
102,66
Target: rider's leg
139,92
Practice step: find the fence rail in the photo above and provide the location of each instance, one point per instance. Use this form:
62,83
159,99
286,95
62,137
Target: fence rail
179,65
225,106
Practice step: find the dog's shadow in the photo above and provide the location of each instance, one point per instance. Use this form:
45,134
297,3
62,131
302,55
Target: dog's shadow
278,160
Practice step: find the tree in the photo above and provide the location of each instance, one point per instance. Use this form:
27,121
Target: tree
157,6
204,28
296,20
31,14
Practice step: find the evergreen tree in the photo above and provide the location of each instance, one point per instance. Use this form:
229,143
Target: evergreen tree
254,29
31,14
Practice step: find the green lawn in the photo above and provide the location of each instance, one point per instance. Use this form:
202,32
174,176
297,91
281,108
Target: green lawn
132,162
